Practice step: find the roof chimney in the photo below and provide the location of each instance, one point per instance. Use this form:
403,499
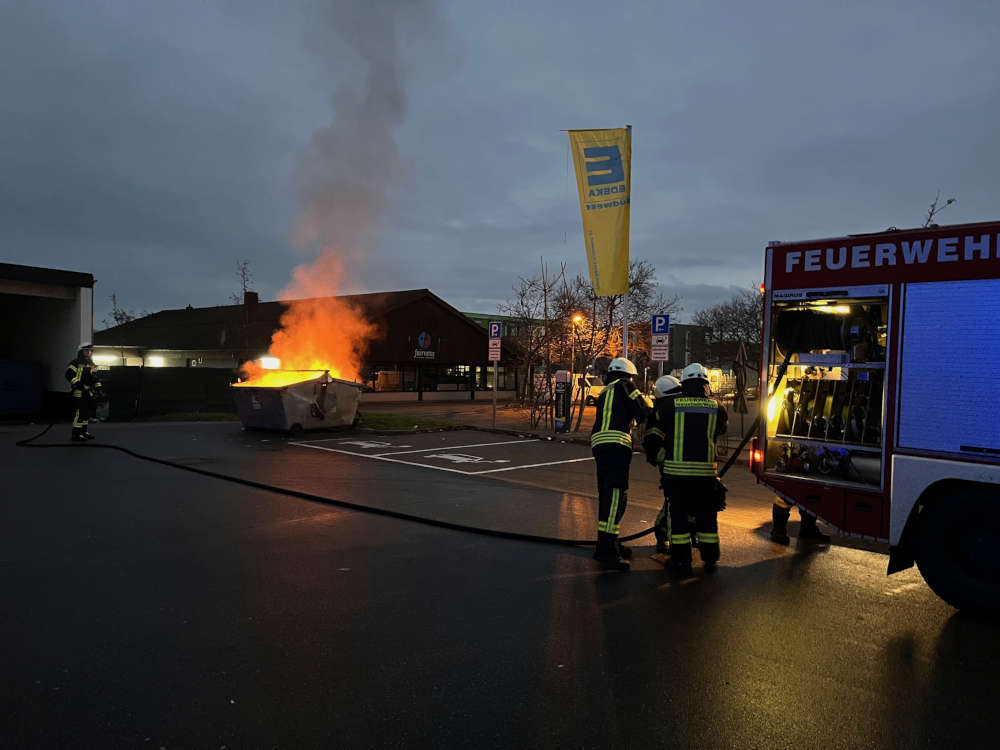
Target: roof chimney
250,298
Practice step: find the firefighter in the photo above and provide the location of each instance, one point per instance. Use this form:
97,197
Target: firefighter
619,407
689,424
85,388
808,530
666,386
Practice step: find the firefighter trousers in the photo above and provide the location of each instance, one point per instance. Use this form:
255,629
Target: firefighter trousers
613,463
694,497
83,410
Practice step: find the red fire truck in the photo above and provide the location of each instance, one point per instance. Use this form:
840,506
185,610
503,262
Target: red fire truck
880,396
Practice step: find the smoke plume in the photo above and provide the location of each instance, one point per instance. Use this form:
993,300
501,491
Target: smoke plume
344,182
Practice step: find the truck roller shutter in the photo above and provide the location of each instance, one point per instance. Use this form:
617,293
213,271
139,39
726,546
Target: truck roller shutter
949,389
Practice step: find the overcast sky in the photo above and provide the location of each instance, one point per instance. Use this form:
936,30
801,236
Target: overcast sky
154,144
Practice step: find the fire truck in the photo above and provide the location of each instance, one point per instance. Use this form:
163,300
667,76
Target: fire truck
880,396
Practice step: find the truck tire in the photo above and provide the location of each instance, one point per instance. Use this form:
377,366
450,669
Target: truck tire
958,548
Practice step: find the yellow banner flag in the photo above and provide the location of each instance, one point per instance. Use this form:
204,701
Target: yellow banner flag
603,160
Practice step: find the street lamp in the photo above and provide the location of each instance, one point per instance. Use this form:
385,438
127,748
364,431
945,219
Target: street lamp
577,320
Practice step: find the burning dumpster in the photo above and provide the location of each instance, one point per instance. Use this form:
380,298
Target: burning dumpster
293,400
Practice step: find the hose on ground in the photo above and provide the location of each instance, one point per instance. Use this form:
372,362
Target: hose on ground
496,533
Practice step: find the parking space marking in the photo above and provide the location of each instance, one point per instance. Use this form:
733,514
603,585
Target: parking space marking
381,458
532,466
387,457
455,447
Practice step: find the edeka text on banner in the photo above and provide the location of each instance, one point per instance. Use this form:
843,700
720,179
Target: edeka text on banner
603,161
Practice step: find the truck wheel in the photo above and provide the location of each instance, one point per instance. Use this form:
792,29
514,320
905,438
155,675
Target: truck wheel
958,539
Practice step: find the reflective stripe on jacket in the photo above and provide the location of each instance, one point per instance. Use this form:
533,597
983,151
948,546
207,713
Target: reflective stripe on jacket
681,435
619,406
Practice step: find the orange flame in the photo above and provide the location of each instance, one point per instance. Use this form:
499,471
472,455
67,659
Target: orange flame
318,331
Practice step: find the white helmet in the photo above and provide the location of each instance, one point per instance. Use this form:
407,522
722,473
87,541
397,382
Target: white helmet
85,345
694,371
667,384
622,365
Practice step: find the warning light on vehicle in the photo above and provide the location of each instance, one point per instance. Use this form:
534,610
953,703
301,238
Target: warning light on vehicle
755,455
762,287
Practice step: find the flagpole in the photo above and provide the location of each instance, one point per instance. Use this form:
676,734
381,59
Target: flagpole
628,137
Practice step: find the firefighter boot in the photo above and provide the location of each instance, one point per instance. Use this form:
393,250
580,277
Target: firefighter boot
625,552
809,531
78,436
779,524
607,553
661,530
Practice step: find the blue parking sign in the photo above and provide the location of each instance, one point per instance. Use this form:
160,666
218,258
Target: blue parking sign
661,324
494,330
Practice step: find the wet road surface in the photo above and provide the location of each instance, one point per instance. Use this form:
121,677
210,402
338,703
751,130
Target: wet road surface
145,606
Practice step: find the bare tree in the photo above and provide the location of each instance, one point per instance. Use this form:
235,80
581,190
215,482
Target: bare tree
600,334
534,329
119,315
736,321
246,280
934,209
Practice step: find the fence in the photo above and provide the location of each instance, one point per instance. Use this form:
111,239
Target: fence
135,392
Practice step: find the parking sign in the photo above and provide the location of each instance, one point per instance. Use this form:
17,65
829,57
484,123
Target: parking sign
494,330
661,324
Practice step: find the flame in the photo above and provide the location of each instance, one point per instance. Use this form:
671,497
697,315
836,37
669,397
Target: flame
318,331
259,377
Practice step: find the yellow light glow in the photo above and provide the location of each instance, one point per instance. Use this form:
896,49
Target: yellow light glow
772,408
578,319
154,361
279,378
270,363
836,309
105,358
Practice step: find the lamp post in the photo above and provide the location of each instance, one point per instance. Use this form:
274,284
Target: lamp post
577,319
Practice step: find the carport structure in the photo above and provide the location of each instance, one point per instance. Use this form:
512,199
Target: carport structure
46,313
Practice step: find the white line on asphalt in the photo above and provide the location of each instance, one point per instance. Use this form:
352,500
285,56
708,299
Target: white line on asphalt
532,466
455,447
382,458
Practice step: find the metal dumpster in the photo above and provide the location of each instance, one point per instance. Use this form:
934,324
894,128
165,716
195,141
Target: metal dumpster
317,401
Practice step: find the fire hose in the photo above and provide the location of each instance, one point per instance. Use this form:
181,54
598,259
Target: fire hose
513,535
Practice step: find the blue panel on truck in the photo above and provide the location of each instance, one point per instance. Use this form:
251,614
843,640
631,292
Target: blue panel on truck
947,399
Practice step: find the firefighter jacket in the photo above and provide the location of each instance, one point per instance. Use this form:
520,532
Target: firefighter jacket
652,441
80,374
619,407
682,430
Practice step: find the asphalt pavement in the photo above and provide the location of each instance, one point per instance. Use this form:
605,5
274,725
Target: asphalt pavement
146,606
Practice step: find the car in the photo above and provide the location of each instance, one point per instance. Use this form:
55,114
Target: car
593,386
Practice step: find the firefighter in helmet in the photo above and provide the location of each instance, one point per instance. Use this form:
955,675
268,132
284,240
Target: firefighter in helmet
687,426
85,388
666,386
619,407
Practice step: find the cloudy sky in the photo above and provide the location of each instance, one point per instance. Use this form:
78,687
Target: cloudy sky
154,144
